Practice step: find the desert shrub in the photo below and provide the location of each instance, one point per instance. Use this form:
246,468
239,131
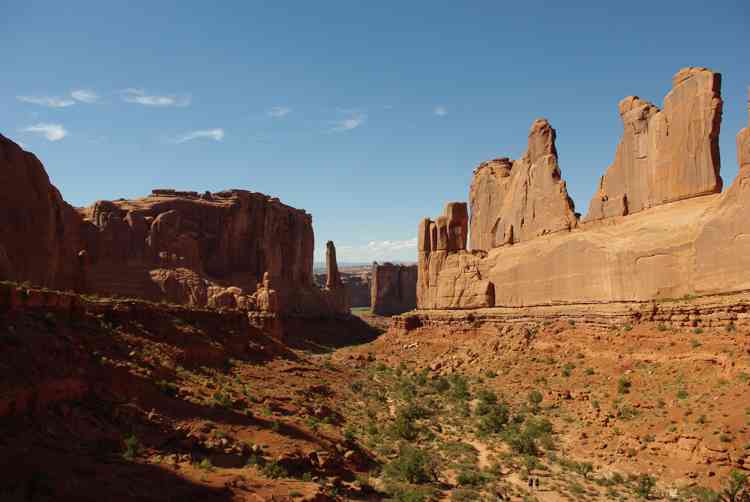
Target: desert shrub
206,465
459,388
471,477
414,411
168,388
132,447
222,399
698,330
624,385
274,470
412,465
487,400
645,484
736,487
441,384
584,468
682,394
535,398
495,420
403,427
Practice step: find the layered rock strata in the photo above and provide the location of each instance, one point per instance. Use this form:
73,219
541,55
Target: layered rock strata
394,288
233,249
678,237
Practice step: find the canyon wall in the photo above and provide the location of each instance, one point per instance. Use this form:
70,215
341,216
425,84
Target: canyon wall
658,229
665,155
39,231
394,288
231,249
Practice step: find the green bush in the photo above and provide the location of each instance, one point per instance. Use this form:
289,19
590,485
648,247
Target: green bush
403,427
132,447
535,398
645,484
495,420
471,478
412,465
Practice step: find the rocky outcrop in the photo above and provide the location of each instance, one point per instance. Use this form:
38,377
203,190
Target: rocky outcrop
442,281
39,240
191,249
697,244
357,282
517,200
337,295
394,288
231,250
665,155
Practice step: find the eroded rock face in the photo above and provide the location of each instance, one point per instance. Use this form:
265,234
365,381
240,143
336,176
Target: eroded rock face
233,249
187,247
646,251
665,155
39,239
517,200
337,295
394,288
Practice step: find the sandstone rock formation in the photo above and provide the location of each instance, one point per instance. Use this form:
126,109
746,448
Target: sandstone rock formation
696,245
665,155
356,280
232,249
38,229
188,248
337,294
394,288
442,281
517,200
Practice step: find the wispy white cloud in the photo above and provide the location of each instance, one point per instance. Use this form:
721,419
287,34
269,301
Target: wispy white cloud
279,112
49,101
385,250
214,134
440,111
53,132
85,96
353,121
140,97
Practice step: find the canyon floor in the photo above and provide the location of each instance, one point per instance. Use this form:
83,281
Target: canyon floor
138,401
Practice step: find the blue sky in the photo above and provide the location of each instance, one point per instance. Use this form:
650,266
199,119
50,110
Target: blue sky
369,115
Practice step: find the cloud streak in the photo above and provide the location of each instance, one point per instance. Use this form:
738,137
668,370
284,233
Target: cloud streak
53,132
397,250
139,96
214,134
278,112
354,121
48,101
85,96
440,111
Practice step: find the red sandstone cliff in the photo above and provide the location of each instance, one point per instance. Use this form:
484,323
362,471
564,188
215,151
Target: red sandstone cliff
658,229
39,231
232,249
394,288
